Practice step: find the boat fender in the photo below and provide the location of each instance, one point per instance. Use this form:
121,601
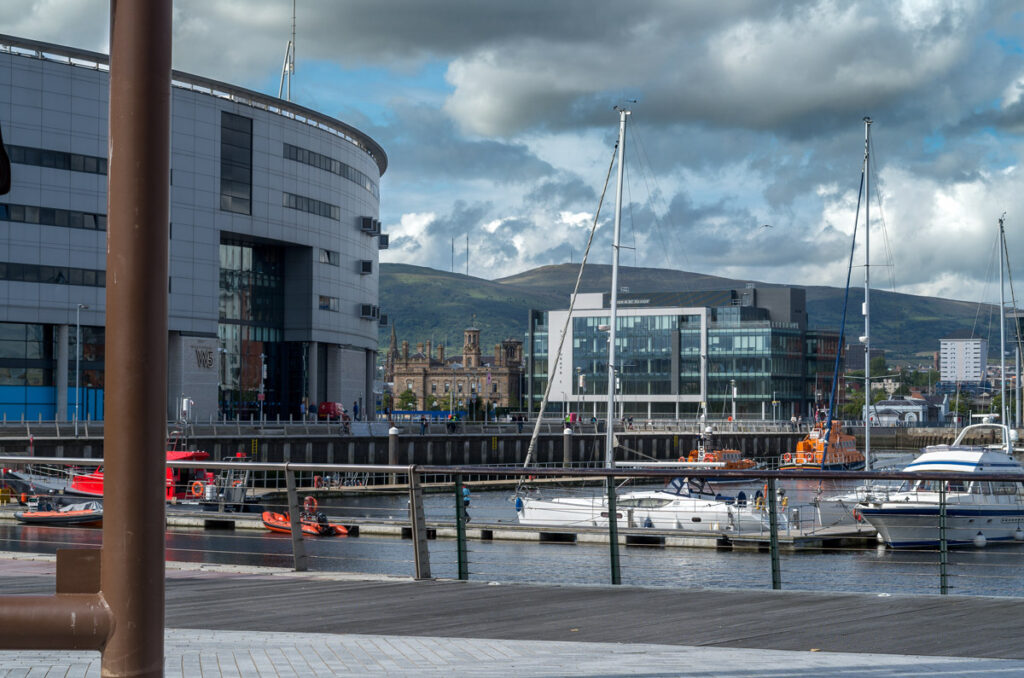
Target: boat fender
519,504
196,489
785,502
648,522
309,504
318,481
979,540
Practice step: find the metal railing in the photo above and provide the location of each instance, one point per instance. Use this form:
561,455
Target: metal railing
413,520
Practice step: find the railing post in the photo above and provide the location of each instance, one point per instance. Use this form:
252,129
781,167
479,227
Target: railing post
567,447
460,528
393,453
773,538
298,545
943,546
613,533
421,555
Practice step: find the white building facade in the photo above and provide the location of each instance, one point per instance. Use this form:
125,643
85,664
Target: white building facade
962,359
274,244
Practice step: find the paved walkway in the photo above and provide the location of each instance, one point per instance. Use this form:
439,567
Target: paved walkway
196,653
529,649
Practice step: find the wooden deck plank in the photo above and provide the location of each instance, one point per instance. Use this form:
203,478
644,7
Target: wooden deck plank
959,626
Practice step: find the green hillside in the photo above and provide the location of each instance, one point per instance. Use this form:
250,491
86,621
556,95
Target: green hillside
426,304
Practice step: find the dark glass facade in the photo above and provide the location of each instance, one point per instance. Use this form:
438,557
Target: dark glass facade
235,163
251,325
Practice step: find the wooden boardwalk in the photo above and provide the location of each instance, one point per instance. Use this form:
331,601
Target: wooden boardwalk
265,600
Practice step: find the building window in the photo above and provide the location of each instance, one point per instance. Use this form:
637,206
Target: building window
459,385
41,157
365,267
433,387
235,163
447,387
329,303
329,257
312,206
52,275
49,216
331,165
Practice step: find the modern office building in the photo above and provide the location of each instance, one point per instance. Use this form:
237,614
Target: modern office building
274,239
677,352
962,358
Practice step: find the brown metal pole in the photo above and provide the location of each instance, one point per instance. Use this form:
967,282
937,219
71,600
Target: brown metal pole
132,562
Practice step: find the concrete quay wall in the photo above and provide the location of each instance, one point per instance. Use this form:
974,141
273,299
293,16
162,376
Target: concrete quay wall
500,447
443,449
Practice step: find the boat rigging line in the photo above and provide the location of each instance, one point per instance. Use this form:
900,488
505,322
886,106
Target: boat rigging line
565,328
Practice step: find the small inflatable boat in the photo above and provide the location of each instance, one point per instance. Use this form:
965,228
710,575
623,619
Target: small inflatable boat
80,514
313,524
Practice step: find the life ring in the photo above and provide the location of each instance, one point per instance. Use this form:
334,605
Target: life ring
196,488
309,504
787,456
318,481
857,516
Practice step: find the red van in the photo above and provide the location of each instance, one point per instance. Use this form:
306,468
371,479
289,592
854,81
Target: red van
331,410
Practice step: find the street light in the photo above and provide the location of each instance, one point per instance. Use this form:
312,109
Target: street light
263,377
78,357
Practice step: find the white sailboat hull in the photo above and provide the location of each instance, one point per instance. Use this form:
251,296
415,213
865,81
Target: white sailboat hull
656,510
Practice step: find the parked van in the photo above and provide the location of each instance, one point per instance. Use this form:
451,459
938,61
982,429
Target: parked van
331,410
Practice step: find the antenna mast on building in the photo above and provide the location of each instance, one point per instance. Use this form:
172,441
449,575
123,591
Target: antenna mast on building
289,63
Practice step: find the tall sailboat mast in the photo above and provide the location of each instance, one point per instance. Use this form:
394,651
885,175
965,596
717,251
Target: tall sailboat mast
867,294
609,448
1002,326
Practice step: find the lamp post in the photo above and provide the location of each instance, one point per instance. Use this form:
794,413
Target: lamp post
78,357
263,379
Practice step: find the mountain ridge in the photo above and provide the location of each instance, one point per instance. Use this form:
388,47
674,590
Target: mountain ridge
428,304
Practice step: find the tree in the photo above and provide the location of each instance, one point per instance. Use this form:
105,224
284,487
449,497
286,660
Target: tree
407,400
878,365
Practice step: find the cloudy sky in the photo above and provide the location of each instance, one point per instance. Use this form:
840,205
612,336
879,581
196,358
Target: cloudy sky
745,142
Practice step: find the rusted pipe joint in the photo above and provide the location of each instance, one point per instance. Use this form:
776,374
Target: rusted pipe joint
66,621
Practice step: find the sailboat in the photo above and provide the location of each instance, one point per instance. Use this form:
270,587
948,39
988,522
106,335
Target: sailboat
826,447
678,505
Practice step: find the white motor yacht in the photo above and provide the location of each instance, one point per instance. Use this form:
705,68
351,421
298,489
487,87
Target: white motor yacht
977,511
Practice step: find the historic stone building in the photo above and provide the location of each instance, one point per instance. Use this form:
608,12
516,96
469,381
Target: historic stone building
473,381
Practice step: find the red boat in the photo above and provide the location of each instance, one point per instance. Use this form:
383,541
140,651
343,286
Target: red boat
312,522
82,514
181,483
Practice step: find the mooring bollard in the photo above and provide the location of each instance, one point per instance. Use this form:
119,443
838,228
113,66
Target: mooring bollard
567,447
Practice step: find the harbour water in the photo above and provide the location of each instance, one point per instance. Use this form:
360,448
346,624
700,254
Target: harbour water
995,570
